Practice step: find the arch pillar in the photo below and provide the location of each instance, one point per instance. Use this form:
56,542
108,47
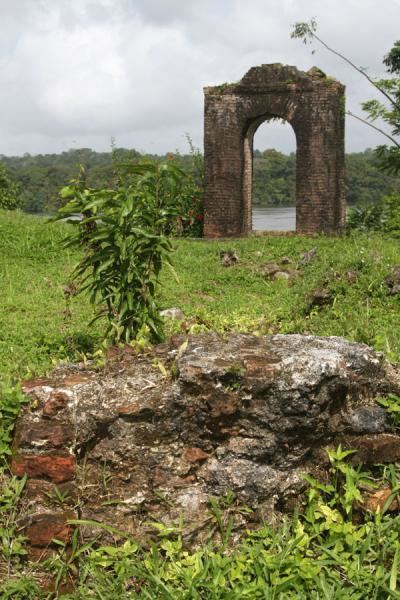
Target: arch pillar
314,105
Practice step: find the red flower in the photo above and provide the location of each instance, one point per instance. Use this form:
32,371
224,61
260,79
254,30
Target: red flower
200,217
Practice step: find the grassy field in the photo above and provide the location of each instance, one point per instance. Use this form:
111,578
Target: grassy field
323,553
38,328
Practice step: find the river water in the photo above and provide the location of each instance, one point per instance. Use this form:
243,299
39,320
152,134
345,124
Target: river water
281,218
277,218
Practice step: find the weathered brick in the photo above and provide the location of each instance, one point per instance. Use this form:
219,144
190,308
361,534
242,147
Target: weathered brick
56,402
28,385
57,468
378,499
40,491
44,435
314,105
43,528
76,379
374,448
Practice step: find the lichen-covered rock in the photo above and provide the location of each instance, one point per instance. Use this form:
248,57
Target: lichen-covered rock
393,281
237,412
176,314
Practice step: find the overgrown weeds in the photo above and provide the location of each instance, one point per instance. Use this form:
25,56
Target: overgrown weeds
334,549
40,326
11,401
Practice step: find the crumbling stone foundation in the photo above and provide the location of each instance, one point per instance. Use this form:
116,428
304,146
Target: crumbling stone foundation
134,443
314,105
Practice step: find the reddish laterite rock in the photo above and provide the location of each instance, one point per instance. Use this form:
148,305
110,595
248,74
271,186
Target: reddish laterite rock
42,529
56,402
56,468
237,413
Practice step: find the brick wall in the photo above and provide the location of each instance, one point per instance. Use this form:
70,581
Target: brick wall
314,105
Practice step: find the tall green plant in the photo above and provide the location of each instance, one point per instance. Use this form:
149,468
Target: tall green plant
195,213
191,198
124,235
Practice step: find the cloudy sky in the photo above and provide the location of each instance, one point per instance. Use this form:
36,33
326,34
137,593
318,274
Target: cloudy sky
75,73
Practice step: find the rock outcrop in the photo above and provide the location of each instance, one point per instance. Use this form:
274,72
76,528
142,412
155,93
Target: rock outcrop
151,437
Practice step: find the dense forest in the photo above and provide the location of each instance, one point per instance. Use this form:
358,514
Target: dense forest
274,178
40,177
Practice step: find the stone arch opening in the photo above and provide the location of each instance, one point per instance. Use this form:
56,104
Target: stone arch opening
313,104
273,193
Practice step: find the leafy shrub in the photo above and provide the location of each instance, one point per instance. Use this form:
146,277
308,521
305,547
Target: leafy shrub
380,216
125,235
191,199
9,191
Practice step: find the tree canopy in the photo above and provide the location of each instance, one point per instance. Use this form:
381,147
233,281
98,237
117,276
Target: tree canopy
9,190
40,177
385,111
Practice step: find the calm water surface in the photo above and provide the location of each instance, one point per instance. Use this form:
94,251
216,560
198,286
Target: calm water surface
274,218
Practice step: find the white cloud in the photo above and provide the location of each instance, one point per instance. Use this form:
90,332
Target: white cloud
85,70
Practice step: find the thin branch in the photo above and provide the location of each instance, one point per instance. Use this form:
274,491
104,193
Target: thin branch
361,71
374,127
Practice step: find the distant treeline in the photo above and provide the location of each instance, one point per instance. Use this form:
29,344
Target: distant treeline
275,178
41,176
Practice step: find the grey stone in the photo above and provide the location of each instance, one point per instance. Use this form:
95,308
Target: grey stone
368,419
228,257
238,412
393,281
282,275
269,269
309,256
173,313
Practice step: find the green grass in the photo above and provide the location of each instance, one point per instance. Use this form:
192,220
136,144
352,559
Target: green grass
240,298
324,553
35,332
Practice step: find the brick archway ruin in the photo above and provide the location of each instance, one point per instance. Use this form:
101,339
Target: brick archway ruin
314,106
